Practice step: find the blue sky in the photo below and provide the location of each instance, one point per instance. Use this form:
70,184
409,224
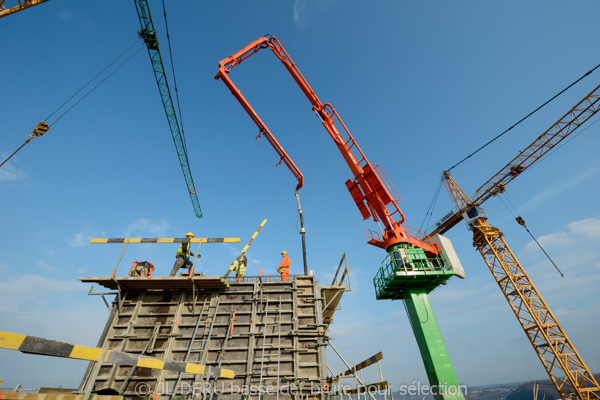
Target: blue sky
419,84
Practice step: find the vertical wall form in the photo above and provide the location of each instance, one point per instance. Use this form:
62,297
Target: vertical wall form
275,340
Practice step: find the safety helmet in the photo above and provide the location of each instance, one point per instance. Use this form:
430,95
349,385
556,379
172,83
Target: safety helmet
189,234
284,252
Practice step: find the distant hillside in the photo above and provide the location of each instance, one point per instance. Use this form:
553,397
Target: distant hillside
546,391
507,391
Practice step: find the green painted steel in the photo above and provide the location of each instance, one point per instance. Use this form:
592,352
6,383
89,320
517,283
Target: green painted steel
432,347
407,267
148,33
409,273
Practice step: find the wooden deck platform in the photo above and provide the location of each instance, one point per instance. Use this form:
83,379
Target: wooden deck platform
330,298
52,396
161,282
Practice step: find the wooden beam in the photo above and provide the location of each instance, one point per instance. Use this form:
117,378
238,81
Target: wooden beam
46,347
369,361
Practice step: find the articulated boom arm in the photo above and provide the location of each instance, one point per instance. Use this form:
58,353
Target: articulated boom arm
559,131
224,67
372,192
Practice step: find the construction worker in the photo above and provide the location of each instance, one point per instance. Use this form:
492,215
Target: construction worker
141,268
240,272
183,256
284,267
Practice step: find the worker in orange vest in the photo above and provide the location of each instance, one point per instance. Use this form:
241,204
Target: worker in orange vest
284,267
141,268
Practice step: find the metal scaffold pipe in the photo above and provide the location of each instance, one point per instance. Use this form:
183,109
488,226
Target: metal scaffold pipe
302,232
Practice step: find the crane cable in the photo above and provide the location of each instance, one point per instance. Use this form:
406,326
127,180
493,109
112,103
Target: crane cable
431,207
435,196
518,218
43,126
15,152
527,116
521,222
91,80
175,82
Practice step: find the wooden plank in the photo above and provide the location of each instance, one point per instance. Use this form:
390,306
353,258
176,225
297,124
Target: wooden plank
52,396
331,297
167,282
53,348
369,361
239,257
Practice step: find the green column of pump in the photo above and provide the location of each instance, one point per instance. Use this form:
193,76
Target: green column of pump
410,275
440,371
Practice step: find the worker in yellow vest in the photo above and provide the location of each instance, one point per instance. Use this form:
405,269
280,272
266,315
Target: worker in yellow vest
240,272
183,256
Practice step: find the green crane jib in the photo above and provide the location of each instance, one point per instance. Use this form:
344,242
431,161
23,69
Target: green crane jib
148,33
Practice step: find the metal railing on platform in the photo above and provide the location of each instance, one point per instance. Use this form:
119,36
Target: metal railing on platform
256,278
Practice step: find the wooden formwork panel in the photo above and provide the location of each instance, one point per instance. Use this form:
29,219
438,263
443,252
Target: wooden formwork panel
268,334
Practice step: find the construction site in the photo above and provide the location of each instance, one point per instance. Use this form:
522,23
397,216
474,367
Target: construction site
106,297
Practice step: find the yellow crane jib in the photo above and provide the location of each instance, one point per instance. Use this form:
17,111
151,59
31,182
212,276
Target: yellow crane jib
23,4
46,347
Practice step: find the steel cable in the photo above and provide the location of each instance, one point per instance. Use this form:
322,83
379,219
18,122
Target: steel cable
524,118
175,83
91,80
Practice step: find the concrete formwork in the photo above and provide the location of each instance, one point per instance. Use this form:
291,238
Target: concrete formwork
271,334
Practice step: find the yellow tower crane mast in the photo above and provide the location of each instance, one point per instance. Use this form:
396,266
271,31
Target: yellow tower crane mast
567,370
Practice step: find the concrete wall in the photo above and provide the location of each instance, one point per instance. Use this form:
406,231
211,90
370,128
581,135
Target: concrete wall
276,342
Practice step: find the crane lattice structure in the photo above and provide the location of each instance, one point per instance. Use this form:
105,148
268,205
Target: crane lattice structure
23,5
567,370
148,33
559,131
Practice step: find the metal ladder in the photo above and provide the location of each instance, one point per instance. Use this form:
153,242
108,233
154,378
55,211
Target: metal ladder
262,358
278,348
147,350
265,325
221,354
206,339
208,324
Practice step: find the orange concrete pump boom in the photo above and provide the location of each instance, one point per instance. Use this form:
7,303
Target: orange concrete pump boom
372,192
224,67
